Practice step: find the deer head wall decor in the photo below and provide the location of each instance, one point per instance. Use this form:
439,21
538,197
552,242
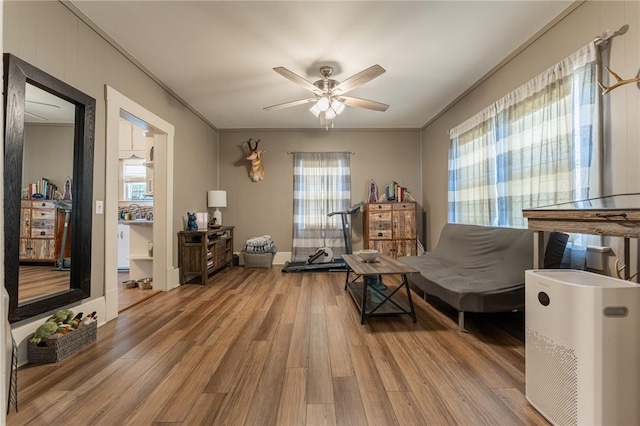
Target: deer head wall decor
256,170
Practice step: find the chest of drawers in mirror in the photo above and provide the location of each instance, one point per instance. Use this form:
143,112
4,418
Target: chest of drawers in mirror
37,230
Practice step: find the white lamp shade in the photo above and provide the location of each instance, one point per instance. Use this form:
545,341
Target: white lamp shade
337,106
217,198
323,104
315,110
330,114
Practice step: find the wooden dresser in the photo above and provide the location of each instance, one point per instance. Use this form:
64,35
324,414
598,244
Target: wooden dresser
38,231
391,228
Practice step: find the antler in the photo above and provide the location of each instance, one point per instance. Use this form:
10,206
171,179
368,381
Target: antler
249,143
620,269
619,82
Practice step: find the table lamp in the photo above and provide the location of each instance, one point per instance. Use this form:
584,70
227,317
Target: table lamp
217,198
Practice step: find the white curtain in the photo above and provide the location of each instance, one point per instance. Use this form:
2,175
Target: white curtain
536,146
322,184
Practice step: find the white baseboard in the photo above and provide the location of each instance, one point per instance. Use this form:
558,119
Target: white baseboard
282,257
173,277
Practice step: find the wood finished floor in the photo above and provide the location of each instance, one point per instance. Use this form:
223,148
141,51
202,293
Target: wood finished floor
40,280
129,297
259,347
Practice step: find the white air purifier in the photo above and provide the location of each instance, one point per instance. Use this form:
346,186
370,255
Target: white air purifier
582,347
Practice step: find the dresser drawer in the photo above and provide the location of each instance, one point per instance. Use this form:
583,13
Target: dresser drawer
404,206
39,214
43,204
379,230
382,206
43,228
381,216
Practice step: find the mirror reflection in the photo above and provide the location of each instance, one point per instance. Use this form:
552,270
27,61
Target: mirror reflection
46,200
25,200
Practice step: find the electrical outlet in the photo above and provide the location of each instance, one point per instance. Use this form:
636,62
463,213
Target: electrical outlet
99,207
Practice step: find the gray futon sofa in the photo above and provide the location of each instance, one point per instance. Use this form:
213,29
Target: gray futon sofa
477,268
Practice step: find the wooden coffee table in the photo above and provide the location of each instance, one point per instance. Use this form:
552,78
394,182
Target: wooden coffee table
383,265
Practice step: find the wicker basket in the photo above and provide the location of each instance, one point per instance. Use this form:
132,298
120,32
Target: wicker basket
257,260
59,348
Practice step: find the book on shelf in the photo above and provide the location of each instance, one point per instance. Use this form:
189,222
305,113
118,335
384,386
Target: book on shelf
395,192
43,187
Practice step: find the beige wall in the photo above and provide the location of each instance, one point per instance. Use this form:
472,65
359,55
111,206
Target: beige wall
266,207
48,153
47,35
622,106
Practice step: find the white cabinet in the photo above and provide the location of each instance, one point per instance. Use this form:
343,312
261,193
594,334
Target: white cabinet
123,246
132,140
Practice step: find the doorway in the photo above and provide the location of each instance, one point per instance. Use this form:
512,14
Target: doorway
136,177
158,232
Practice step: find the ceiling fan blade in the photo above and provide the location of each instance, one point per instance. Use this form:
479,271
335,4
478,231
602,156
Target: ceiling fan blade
359,79
42,103
35,116
297,79
363,103
289,104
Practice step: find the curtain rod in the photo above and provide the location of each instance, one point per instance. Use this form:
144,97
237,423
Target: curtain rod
323,152
608,34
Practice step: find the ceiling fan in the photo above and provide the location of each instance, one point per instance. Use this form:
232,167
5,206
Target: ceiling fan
329,100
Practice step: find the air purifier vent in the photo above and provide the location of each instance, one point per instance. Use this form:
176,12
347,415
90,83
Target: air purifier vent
554,385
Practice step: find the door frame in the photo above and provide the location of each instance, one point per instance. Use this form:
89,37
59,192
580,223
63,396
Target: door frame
163,270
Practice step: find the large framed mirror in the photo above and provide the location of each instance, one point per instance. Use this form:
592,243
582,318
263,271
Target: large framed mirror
48,190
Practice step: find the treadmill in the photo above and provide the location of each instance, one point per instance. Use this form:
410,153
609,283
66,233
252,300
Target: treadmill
336,264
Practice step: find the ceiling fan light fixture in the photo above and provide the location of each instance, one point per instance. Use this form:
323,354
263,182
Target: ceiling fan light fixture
337,106
315,110
323,104
328,98
330,114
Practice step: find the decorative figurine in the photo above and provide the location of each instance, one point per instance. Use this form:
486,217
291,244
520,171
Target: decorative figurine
67,189
192,225
373,192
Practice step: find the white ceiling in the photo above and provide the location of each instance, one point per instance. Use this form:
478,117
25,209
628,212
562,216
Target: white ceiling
44,107
218,56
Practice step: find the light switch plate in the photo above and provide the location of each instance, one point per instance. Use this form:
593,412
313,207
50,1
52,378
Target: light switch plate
99,207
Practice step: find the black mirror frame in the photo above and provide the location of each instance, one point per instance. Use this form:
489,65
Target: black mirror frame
16,74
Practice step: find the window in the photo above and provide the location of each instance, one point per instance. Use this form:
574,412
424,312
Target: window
322,184
536,146
134,174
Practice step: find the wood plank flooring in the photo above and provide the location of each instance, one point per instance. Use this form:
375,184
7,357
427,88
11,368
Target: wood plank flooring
259,347
129,297
40,280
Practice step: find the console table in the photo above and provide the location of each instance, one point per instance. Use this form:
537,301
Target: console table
202,253
383,265
613,216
